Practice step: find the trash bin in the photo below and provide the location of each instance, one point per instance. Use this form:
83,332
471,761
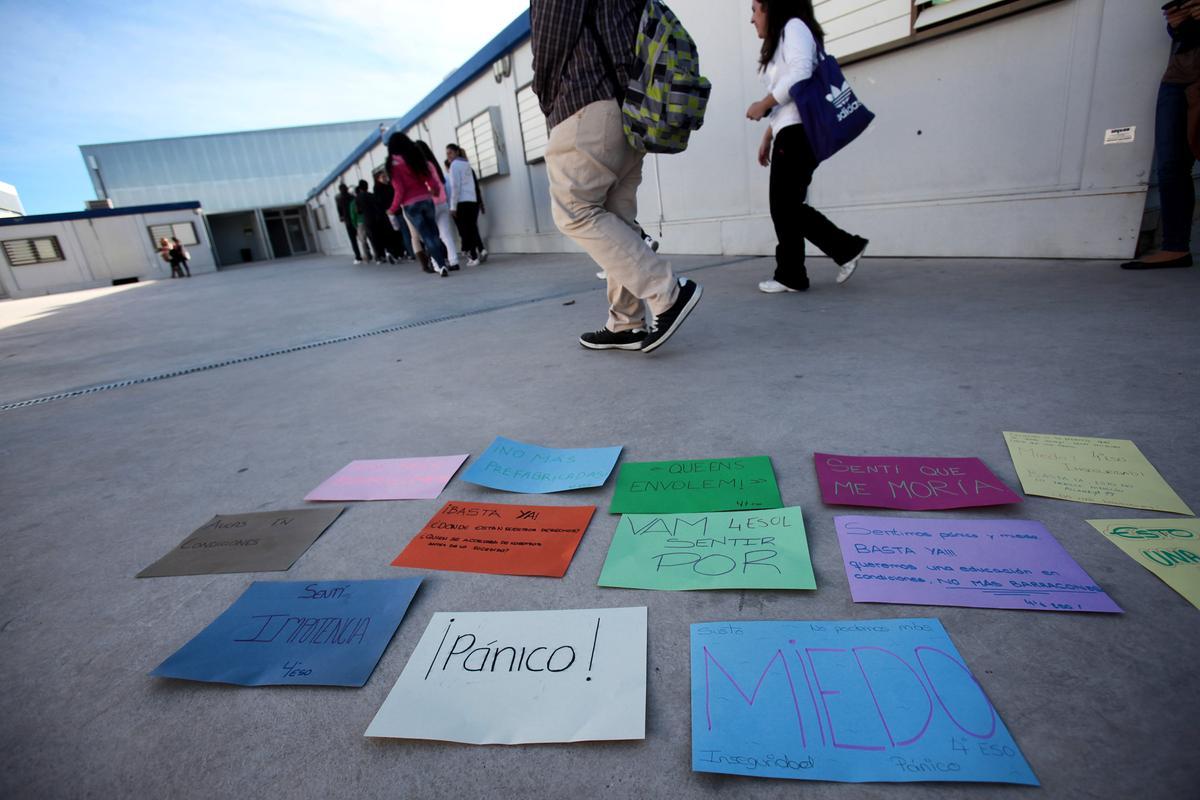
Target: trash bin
247,255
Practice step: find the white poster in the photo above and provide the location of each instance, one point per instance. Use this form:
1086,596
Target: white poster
522,677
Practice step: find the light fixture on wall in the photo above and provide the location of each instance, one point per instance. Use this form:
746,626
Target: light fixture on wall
502,68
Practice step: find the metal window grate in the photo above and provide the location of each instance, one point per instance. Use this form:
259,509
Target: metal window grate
482,139
534,133
184,231
24,252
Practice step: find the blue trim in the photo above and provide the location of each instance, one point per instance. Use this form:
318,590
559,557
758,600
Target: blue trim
507,40
99,212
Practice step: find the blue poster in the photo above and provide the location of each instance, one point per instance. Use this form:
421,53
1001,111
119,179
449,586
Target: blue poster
529,469
854,700
322,633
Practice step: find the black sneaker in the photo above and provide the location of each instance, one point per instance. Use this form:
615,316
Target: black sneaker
604,339
673,317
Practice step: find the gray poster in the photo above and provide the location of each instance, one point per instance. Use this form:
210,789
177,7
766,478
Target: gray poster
266,541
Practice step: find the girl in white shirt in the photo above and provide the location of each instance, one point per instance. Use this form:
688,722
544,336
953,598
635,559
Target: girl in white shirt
791,40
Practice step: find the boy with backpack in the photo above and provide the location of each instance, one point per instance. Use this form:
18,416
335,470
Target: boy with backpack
584,59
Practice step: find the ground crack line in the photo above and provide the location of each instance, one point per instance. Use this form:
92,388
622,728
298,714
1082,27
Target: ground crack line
95,388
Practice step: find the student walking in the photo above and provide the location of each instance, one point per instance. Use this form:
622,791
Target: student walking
412,176
359,220
344,201
180,258
791,36
465,203
441,205
594,172
1175,152
372,217
396,242
166,253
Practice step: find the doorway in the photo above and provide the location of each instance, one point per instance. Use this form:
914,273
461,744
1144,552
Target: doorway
287,231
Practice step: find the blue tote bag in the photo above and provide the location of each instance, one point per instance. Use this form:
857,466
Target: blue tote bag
833,116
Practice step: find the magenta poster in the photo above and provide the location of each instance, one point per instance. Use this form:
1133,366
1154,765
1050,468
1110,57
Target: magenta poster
909,484
954,562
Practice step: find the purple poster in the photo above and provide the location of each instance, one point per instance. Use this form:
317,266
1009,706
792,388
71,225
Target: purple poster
908,483
954,562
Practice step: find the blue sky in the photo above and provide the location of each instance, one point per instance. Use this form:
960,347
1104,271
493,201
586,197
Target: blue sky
88,72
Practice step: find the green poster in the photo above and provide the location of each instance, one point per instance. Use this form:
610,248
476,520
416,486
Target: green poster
708,484
719,550
1170,548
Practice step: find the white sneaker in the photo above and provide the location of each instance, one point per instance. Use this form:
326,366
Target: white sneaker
473,262
445,273
848,268
358,261
651,242
483,254
774,287
602,275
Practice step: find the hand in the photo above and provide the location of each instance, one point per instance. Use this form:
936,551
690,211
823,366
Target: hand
1176,16
764,152
758,110
395,220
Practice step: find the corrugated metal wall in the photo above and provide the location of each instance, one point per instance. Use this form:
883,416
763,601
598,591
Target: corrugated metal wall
225,172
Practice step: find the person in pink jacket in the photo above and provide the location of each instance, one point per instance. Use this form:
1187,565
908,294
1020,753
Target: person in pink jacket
441,204
413,179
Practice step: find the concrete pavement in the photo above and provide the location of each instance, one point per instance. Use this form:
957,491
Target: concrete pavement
274,386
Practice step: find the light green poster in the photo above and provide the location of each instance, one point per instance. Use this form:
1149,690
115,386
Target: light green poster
683,487
718,550
1170,548
1110,472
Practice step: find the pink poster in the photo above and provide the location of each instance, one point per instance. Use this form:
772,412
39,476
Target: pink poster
908,483
389,479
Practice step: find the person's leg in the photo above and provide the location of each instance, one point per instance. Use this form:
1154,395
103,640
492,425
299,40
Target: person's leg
446,234
1177,194
352,232
187,269
816,227
586,158
377,241
625,311
424,219
787,188
467,220
363,246
406,240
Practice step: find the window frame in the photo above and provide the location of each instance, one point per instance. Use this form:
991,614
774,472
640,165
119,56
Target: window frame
154,238
951,24
465,137
540,156
32,244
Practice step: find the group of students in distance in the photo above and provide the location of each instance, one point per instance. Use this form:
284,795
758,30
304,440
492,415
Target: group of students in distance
430,199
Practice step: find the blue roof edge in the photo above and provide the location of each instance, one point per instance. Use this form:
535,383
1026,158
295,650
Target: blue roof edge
516,32
99,212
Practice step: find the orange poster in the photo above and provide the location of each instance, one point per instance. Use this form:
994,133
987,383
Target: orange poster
499,539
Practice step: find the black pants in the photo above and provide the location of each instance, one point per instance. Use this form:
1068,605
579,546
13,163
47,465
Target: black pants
467,220
792,167
353,234
378,238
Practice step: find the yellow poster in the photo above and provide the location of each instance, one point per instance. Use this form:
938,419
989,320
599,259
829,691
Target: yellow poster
1170,548
1110,472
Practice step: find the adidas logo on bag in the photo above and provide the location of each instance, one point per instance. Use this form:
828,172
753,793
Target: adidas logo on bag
839,94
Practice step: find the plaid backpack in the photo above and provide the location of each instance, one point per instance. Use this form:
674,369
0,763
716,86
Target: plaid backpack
665,101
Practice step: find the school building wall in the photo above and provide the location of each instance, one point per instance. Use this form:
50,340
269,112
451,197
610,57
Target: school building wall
99,247
989,140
